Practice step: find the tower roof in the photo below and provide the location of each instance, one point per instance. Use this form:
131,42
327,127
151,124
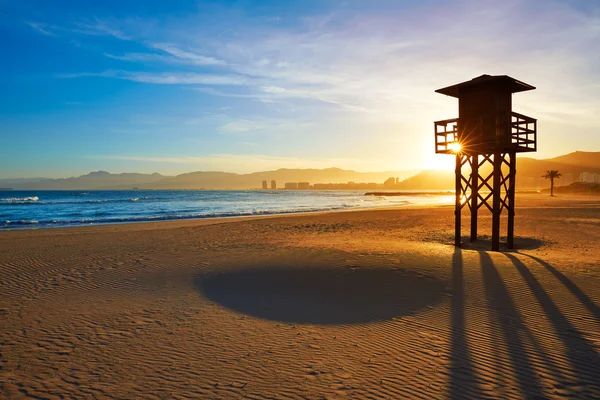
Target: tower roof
511,84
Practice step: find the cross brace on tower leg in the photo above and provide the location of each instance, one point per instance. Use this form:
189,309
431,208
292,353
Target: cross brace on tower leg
478,185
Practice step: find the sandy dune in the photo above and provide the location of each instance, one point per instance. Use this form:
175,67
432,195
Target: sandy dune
366,304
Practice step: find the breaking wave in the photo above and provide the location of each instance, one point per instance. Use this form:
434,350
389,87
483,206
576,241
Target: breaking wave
19,199
35,201
7,224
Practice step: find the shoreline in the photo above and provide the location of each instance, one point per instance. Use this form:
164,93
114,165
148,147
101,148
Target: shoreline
144,220
202,221
526,198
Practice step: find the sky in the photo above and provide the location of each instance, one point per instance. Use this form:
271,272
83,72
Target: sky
243,86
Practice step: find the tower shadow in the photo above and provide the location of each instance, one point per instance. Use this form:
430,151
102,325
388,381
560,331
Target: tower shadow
580,353
322,295
463,381
512,326
572,287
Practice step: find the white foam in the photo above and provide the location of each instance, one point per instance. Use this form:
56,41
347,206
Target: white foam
11,199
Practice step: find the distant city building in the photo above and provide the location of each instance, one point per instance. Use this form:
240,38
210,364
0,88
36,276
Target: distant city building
389,182
264,185
346,186
303,185
589,177
291,185
273,185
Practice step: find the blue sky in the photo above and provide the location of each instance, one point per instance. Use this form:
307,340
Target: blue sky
244,86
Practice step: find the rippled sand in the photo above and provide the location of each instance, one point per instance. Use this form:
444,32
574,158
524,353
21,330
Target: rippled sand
366,304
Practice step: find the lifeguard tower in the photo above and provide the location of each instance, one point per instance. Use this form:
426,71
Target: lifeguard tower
486,133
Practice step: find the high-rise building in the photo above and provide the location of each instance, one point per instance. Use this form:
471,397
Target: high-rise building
264,185
589,177
389,182
273,185
304,185
291,185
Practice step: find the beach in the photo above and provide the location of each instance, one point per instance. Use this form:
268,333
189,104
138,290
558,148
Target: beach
350,304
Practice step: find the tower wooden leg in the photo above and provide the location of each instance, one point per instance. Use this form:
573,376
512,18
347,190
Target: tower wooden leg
457,208
474,194
496,203
510,234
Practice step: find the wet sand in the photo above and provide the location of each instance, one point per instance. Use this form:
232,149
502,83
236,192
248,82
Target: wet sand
361,304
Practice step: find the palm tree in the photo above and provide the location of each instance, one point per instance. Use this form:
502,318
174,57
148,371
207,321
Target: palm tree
552,174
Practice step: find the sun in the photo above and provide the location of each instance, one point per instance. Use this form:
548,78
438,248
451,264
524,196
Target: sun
454,147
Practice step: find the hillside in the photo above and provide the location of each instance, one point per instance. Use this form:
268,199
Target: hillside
93,181
428,180
587,159
226,180
529,172
577,188
102,180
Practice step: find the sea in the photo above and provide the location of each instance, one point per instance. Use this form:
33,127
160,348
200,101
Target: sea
46,209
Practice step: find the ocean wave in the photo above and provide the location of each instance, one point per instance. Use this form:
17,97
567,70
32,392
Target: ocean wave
7,224
19,199
34,201
20,222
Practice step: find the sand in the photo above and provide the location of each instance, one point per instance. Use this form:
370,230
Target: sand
362,304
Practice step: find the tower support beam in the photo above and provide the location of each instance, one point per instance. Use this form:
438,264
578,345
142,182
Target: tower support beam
474,194
512,175
496,202
457,205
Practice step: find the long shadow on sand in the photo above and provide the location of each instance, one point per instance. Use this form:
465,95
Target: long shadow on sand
517,349
462,374
581,296
506,316
324,296
580,353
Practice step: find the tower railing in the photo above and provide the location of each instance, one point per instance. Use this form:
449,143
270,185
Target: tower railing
446,132
523,133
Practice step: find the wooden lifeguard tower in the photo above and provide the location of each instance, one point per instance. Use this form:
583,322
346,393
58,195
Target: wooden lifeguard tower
486,133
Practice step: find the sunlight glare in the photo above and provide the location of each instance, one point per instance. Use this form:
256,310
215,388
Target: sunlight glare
455,147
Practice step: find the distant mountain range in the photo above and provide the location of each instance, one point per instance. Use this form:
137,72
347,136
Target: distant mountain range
529,172
102,180
225,180
92,181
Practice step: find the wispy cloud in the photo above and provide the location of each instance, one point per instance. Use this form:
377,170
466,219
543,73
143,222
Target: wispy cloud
166,78
87,27
187,56
44,29
99,27
142,57
182,78
170,55
242,126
